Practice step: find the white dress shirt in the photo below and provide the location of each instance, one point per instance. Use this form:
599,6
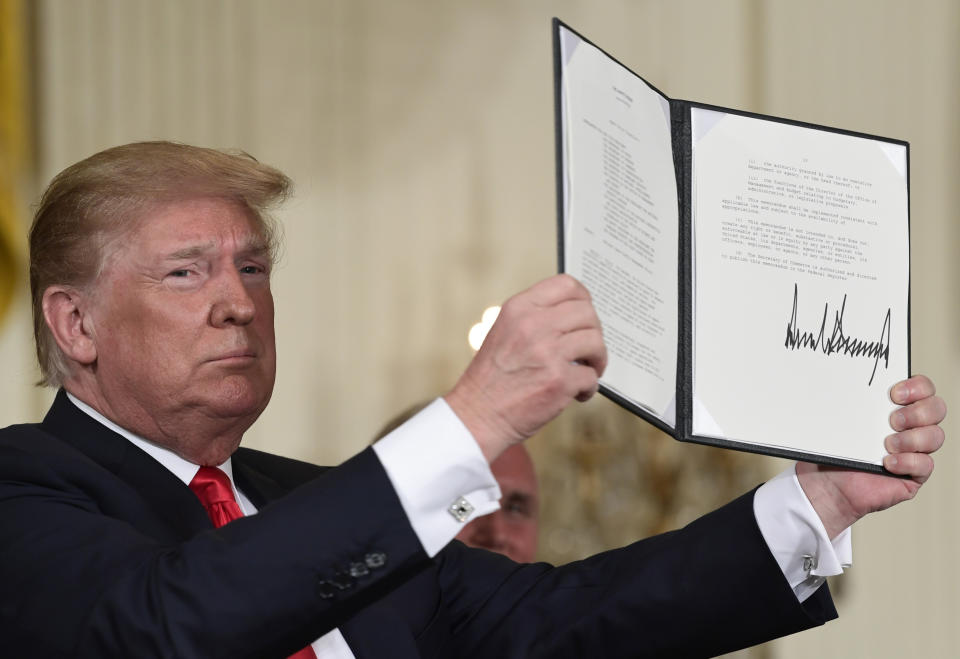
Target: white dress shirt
442,485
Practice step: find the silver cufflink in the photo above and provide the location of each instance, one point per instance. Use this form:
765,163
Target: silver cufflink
460,509
809,563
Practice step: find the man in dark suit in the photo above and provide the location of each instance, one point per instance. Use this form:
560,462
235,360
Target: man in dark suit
150,270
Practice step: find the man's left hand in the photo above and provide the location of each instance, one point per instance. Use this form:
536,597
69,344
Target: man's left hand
842,496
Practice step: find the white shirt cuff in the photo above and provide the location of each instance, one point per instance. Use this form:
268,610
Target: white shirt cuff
796,536
440,476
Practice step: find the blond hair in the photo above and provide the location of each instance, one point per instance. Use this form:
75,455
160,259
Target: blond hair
106,195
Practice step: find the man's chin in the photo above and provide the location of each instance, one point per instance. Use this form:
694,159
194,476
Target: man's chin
237,397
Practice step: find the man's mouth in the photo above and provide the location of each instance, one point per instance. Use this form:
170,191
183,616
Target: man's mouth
235,356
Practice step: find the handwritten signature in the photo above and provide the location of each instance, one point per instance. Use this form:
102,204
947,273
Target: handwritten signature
839,343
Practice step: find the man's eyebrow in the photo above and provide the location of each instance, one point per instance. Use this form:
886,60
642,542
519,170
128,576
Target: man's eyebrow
254,247
191,252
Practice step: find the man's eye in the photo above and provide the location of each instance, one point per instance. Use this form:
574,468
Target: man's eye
516,508
252,270
179,273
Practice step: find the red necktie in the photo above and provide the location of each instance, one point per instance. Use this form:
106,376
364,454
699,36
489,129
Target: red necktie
213,488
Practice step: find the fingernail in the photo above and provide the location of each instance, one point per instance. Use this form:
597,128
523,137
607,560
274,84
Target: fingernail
891,461
900,393
898,421
894,443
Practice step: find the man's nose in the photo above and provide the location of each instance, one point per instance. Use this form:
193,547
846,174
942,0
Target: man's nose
232,303
491,532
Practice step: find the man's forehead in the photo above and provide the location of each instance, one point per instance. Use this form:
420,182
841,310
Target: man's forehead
517,487
193,227
514,472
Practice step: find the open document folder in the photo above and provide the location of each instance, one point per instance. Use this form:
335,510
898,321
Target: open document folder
752,273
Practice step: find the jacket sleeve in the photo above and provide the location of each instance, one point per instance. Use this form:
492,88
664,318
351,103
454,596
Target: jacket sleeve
709,588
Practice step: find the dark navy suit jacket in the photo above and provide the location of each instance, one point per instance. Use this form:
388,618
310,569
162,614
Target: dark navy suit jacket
104,553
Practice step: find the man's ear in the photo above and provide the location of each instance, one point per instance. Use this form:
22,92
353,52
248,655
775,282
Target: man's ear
66,315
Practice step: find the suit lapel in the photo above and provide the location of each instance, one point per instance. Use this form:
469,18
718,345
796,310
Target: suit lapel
260,488
264,477
164,495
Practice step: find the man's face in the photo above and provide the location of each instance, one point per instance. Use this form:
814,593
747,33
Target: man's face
512,530
183,323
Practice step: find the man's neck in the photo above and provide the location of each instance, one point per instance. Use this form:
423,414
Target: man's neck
181,468
196,437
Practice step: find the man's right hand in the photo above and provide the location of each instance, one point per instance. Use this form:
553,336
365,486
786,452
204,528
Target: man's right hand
545,350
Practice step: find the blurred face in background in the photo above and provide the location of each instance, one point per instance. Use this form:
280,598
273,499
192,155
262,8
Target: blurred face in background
512,530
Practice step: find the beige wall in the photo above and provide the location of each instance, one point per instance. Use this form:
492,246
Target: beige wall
420,135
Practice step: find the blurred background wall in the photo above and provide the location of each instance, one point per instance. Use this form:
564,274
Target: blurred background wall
420,137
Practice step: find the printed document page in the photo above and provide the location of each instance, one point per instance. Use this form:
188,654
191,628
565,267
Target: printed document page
801,285
621,233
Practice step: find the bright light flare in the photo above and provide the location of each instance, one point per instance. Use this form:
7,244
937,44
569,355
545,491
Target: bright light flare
479,331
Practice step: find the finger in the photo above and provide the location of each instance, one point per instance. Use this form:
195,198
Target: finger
527,308
584,347
917,466
546,328
924,412
555,289
926,439
572,315
912,389
585,382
